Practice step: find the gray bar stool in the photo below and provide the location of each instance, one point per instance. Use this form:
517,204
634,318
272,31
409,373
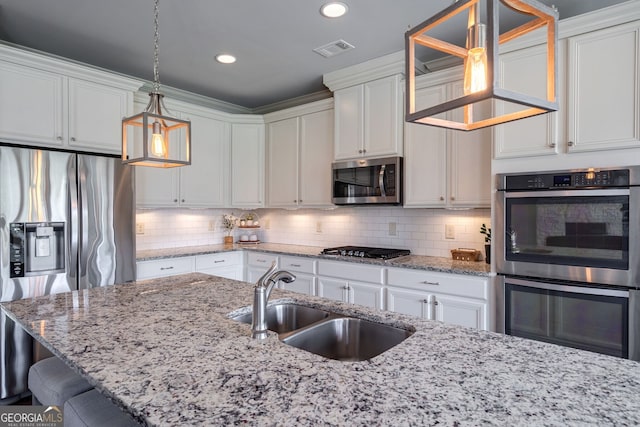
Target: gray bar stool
51,382
92,409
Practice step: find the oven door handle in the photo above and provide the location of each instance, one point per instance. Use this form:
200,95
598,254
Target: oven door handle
568,288
566,193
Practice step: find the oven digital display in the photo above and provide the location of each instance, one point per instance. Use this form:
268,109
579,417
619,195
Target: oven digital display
562,180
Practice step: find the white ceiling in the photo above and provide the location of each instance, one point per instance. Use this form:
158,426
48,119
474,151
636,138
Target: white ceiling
272,39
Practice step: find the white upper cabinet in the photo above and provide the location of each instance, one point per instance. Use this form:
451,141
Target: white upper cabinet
299,156
368,119
524,71
603,93
247,165
446,168
203,183
49,102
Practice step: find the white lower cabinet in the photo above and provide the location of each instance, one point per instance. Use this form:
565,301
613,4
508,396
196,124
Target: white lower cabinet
304,270
164,267
450,298
342,281
227,264
258,264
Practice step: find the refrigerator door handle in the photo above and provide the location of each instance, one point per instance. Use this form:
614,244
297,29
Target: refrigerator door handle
83,236
73,224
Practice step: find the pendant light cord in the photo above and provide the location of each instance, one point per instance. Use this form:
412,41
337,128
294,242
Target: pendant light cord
156,48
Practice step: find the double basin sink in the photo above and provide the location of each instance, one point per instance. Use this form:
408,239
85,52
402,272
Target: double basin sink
329,334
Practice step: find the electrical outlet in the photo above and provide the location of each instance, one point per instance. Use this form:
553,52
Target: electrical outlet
449,231
212,225
319,227
139,227
393,229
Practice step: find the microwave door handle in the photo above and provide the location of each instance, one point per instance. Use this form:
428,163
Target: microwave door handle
383,192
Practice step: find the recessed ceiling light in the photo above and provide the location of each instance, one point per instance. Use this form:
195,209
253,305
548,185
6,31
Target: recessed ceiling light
334,9
225,58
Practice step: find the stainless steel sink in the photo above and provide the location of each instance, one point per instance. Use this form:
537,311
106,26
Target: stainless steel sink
347,338
282,318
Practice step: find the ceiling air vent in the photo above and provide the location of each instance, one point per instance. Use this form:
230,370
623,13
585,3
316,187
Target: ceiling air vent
333,48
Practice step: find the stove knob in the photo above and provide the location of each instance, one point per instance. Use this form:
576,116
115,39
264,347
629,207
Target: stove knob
361,254
350,253
343,252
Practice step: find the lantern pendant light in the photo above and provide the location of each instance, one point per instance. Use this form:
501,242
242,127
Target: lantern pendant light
479,58
154,137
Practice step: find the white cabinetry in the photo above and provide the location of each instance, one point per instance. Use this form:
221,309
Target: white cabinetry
164,267
300,152
226,264
368,119
304,270
48,102
203,184
247,165
257,264
603,93
449,298
352,283
524,71
445,168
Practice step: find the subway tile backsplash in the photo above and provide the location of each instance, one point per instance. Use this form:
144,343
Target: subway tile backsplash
420,230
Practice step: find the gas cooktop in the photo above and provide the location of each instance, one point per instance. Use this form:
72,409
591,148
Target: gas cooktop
366,252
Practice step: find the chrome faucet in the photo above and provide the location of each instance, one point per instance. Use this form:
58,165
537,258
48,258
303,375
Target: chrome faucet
261,292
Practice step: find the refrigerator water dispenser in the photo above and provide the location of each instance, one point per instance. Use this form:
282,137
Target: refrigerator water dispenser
37,248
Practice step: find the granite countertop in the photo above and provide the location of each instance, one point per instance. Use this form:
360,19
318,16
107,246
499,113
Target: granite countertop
167,351
418,262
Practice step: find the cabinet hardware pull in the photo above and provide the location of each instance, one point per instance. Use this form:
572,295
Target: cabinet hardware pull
295,265
295,201
166,268
453,197
552,144
360,151
570,143
424,301
216,262
73,138
441,198
300,200
175,200
435,302
182,200
426,282
345,287
364,151
261,260
59,138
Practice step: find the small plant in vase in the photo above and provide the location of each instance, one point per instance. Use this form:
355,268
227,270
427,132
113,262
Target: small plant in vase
486,231
229,222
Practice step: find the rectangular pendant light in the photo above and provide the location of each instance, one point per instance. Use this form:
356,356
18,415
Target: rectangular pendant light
479,59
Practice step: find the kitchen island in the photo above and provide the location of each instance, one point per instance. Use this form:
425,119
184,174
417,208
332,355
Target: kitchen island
167,351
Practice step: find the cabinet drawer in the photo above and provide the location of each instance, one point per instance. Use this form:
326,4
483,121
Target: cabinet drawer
217,260
301,265
164,267
260,259
350,271
452,284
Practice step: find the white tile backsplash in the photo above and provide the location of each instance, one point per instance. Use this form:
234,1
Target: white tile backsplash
420,230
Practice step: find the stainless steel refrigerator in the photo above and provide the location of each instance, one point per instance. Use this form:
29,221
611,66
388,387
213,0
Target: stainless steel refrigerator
66,223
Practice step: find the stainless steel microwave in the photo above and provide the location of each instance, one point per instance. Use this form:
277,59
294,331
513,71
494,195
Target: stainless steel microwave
367,181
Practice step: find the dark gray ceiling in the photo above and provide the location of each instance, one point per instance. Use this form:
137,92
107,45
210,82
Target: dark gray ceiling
272,39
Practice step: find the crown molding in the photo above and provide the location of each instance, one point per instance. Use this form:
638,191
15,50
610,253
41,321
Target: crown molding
308,108
367,71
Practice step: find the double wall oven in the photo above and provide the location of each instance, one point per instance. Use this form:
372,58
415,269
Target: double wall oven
568,256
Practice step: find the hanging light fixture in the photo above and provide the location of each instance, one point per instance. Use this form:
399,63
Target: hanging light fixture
479,58
154,137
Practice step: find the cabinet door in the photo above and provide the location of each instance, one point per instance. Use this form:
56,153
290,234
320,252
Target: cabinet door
316,156
349,121
425,163
282,187
304,284
383,117
247,165
31,105
524,71
95,116
461,311
334,289
203,183
603,89
404,301
366,294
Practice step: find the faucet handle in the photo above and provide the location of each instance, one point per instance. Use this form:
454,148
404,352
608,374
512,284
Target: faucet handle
262,281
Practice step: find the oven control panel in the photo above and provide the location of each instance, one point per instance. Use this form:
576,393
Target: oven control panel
578,179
